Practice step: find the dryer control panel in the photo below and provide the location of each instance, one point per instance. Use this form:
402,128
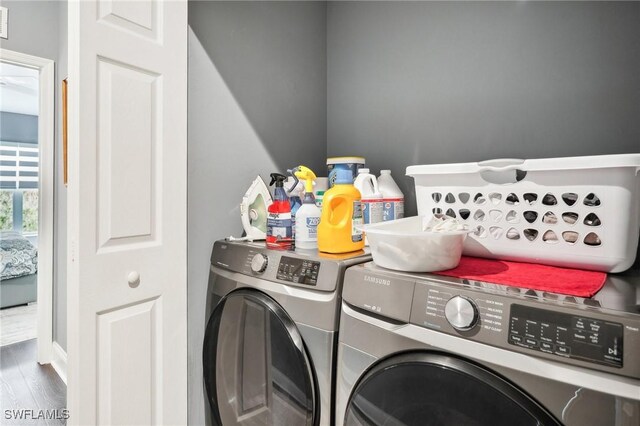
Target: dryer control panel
296,270
566,335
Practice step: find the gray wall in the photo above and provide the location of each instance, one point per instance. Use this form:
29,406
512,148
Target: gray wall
275,84
35,28
21,128
257,104
422,83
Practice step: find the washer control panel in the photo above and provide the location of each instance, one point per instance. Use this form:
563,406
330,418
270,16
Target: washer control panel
566,335
589,338
299,271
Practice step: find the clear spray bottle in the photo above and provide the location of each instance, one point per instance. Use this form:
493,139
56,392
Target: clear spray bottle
308,215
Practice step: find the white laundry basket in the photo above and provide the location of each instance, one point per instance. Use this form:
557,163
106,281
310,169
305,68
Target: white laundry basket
577,212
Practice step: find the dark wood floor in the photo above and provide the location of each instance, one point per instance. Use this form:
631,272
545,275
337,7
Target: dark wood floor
28,388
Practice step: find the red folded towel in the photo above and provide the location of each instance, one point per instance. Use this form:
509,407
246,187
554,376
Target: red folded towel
572,282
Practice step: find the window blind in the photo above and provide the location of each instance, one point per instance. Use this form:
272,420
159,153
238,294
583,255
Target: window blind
18,166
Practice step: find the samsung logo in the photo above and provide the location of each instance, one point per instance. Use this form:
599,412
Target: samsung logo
376,280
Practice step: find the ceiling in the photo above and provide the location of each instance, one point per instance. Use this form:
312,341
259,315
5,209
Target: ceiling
18,89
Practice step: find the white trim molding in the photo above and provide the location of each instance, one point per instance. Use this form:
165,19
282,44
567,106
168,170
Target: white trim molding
59,361
46,145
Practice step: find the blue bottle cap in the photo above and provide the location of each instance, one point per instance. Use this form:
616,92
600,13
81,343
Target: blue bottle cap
344,176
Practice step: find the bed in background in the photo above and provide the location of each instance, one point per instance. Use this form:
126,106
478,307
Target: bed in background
18,270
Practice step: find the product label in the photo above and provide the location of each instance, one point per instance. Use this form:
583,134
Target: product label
356,219
393,209
372,211
280,225
312,226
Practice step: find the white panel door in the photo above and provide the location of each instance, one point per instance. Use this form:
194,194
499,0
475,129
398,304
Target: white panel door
127,312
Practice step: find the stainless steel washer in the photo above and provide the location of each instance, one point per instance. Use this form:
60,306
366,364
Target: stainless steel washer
421,349
270,342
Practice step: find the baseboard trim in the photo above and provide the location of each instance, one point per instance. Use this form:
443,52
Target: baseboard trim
59,361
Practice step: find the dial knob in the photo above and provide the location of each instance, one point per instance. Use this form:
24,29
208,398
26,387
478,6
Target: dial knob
259,263
461,313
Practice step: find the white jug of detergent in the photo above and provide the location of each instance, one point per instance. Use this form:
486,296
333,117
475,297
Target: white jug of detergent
371,200
392,197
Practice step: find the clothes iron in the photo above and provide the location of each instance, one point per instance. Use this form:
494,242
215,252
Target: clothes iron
253,211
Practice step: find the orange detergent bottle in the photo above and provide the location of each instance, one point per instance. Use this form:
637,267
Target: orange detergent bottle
341,213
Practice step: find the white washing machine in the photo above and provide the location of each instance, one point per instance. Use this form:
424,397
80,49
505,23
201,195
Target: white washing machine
422,349
270,341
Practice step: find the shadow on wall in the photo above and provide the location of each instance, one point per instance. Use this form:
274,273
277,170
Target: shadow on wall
272,57
257,104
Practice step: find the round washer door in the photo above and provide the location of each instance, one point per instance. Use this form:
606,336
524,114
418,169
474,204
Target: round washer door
421,389
256,368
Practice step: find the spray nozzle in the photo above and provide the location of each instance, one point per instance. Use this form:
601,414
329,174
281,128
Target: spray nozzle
306,174
278,179
292,172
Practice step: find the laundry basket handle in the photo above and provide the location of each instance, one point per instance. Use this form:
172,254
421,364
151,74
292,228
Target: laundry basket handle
502,171
500,164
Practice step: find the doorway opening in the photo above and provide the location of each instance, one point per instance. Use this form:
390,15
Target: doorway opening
19,158
26,200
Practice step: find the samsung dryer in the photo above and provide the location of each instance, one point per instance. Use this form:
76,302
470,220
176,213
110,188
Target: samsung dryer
422,349
270,341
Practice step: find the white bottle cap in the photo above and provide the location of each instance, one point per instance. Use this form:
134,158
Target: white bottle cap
385,172
363,171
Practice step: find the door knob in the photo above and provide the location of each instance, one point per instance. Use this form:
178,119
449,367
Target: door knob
134,279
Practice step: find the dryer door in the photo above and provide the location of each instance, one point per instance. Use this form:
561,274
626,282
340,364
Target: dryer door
256,367
420,389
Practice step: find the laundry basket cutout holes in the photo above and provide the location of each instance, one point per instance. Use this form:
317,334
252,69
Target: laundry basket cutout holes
550,237
464,213
451,213
592,220
512,217
570,217
495,215
530,198
464,197
495,198
436,210
570,236
513,234
570,198
480,232
550,218
496,232
512,199
591,200
592,239
549,200
436,197
479,199
479,215
530,216
449,198
530,234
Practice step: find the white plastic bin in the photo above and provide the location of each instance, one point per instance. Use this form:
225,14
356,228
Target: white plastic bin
577,212
402,245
